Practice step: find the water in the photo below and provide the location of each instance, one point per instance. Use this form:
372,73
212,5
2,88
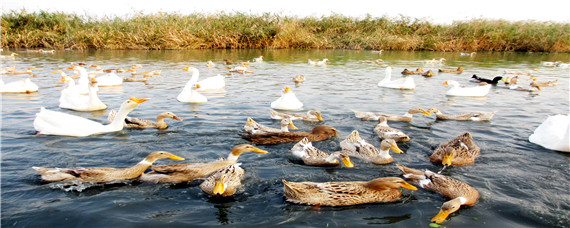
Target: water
521,184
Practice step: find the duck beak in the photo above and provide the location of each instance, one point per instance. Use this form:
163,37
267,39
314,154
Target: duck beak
447,159
33,68
177,118
287,89
396,149
440,217
503,79
187,68
257,150
219,187
70,68
346,161
62,79
174,157
319,117
197,86
445,83
426,113
407,185
292,126
538,87
138,100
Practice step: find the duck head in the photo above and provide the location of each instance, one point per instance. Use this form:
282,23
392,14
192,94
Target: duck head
390,144
325,130
447,208
386,183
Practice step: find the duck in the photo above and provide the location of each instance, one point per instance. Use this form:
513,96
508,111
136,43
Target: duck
355,146
258,59
83,82
409,72
386,132
553,133
459,192
471,116
312,115
97,71
518,72
131,122
181,173
20,86
103,174
534,87
459,151
493,81
298,79
512,81
135,79
240,69
429,73
255,128
48,122
377,61
210,83
11,56
3,70
460,91
379,190
318,62
459,70
435,61
311,155
407,117
70,99
547,83
191,95
110,79
287,101
29,71
403,83
210,63
228,62
153,72
467,54
319,133
224,182
546,63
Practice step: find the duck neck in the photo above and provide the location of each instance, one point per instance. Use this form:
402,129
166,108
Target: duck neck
137,169
232,157
93,97
160,122
384,153
284,128
117,123
331,158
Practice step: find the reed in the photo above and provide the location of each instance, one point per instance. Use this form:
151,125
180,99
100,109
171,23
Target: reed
240,30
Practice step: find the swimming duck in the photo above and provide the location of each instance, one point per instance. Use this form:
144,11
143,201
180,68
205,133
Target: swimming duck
3,70
179,173
20,86
83,82
210,63
512,81
459,70
355,146
547,83
135,79
110,79
319,133
532,88
318,62
493,81
102,174
152,72
429,73
435,61
97,71
375,115
379,190
259,59
518,72
377,61
210,83
460,193
131,122
312,115
239,69
287,101
409,72
458,152
71,99
467,54
49,122
460,91
29,71
553,133
255,128
11,56
228,62
386,132
313,156
191,95
403,83
472,116
224,182
298,79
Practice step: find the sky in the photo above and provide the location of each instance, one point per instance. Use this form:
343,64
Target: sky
436,11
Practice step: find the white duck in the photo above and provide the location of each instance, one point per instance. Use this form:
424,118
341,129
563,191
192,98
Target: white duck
461,91
49,122
110,79
318,62
70,99
553,133
191,95
20,86
287,101
403,83
215,82
83,82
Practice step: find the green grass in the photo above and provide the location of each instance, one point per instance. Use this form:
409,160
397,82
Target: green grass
240,30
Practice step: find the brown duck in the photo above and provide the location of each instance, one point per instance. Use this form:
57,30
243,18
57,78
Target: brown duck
472,116
313,156
355,146
319,133
459,151
379,190
460,193
131,122
429,73
224,182
459,70
417,71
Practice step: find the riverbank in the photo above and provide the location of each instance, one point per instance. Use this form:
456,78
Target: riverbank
240,30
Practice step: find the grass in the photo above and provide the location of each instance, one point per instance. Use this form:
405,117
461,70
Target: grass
239,30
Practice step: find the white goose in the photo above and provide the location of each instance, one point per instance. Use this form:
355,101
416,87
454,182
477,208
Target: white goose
287,101
70,99
215,82
49,122
110,79
460,91
553,133
191,95
403,83
83,82
20,86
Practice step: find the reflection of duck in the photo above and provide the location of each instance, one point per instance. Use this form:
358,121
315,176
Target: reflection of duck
179,173
553,133
386,132
461,91
255,128
403,83
319,133
287,101
313,156
224,182
102,174
131,122
20,86
460,193
312,115
472,116
375,115
459,151
49,122
357,147
459,70
71,99
379,190
493,81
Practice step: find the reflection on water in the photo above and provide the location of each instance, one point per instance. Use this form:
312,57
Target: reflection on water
513,176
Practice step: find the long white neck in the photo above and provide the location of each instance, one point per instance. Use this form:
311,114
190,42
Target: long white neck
194,78
117,123
83,77
93,97
388,76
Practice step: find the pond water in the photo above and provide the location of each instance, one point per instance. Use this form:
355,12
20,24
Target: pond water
521,184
